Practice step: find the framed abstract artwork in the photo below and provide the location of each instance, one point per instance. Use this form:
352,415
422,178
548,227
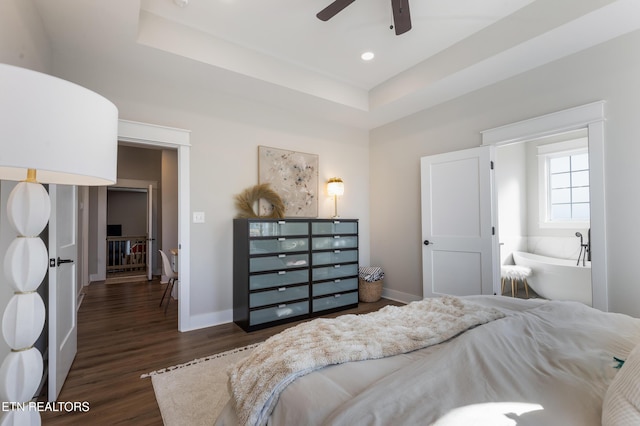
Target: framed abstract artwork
294,176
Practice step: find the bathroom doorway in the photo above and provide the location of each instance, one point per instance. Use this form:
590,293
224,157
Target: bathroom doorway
588,116
543,201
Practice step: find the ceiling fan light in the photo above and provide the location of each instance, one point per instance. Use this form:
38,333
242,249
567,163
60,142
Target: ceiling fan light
367,56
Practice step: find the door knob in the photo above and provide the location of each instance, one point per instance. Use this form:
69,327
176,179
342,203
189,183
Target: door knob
427,242
61,261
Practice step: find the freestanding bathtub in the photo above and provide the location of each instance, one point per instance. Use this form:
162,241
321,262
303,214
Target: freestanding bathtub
557,279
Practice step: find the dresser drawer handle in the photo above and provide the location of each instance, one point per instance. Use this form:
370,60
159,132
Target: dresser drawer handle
336,295
336,266
336,236
281,222
337,281
281,239
282,306
282,272
282,255
337,251
282,289
336,221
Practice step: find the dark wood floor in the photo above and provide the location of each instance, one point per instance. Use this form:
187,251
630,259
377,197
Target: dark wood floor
122,333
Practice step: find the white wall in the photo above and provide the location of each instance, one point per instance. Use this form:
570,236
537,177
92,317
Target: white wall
554,242
518,191
511,186
225,134
169,198
23,42
608,72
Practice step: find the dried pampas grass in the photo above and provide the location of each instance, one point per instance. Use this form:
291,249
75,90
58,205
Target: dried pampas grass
247,198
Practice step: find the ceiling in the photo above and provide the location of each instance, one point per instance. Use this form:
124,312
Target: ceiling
278,52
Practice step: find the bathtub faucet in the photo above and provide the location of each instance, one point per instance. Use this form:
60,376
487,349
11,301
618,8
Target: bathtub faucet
585,249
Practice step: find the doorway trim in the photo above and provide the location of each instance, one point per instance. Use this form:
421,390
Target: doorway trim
144,134
590,116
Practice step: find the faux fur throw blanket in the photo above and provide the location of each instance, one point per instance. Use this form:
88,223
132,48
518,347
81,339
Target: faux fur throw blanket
256,382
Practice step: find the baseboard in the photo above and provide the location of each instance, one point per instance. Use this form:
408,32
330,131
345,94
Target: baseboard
399,296
209,320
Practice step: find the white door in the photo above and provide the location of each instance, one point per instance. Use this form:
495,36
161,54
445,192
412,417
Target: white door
63,339
150,232
457,229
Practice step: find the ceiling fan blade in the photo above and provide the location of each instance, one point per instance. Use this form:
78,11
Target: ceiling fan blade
401,16
333,9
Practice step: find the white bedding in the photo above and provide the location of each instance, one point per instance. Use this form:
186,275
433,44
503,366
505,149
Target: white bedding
544,363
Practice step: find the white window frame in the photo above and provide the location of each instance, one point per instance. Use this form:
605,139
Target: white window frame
546,152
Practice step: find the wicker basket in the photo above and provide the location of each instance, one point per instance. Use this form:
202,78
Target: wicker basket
369,291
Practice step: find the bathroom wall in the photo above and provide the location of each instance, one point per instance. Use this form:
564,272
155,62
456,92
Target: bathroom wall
560,243
511,187
518,192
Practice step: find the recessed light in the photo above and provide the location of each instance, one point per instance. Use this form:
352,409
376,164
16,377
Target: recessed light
367,56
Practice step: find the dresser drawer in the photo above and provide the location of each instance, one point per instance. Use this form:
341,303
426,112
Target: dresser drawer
277,229
279,295
333,272
279,262
335,256
335,286
280,312
278,279
335,242
278,245
335,227
335,301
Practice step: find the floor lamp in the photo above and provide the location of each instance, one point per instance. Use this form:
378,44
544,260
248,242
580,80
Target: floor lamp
51,131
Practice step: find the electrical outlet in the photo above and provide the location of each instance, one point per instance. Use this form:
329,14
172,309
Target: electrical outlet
198,217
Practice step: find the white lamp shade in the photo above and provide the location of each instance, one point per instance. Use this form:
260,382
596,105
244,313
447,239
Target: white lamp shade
25,264
28,208
21,418
22,321
67,133
20,375
335,186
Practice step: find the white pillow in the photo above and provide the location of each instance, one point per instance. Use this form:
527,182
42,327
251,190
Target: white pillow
621,405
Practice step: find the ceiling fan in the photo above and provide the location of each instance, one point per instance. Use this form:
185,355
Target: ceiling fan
401,16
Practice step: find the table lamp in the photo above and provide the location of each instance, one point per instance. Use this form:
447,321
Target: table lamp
51,131
335,187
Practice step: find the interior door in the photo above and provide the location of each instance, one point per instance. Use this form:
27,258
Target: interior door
63,252
150,232
457,229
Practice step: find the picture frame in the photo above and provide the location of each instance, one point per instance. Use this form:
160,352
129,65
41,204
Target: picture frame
294,176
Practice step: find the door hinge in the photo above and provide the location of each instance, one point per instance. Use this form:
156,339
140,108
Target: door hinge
491,163
493,230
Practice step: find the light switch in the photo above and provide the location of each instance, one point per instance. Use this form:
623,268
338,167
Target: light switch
198,217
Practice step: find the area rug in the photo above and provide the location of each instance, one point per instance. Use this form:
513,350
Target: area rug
194,393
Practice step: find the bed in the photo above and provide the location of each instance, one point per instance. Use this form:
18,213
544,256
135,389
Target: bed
537,362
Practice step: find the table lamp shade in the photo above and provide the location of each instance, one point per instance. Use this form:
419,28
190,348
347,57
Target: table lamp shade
66,132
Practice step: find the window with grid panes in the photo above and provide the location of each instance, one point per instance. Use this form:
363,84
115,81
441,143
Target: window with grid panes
564,183
568,187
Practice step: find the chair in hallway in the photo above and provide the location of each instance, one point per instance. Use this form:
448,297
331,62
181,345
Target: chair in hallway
171,275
